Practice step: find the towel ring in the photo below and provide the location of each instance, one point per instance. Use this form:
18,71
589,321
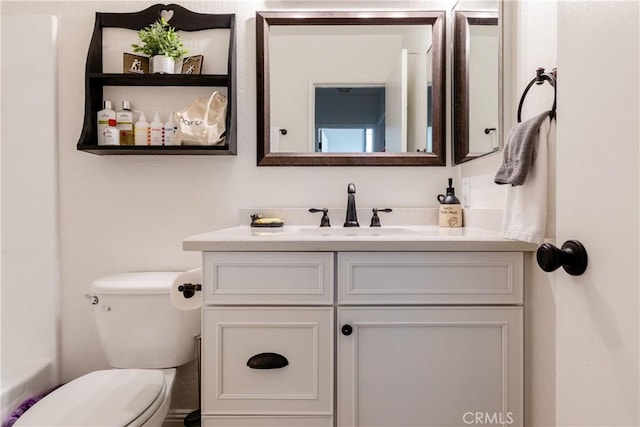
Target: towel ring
539,79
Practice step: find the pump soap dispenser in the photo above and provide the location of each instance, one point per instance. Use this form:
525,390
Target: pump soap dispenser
450,209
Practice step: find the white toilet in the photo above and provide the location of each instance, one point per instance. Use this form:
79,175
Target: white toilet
144,337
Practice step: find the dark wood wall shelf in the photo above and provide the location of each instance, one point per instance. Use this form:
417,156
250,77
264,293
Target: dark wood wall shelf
155,149
217,80
96,80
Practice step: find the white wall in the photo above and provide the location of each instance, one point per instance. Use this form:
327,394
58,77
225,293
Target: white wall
125,213
534,43
30,273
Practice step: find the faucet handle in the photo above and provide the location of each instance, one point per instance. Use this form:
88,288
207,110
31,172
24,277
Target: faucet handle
375,219
324,221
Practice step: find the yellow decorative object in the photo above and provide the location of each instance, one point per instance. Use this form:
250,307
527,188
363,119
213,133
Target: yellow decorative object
258,220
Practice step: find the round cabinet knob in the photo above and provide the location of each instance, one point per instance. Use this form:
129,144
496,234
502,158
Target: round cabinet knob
346,330
572,257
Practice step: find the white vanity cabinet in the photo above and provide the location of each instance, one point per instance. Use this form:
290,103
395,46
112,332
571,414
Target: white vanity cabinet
268,339
376,338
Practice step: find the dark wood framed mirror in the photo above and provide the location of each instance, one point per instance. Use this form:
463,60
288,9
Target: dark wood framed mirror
309,88
477,84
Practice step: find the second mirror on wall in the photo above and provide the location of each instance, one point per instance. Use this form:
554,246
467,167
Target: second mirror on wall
477,84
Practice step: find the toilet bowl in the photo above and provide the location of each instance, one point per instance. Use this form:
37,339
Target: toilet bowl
144,338
115,397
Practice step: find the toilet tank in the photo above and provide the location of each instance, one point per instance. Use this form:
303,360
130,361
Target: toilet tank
138,325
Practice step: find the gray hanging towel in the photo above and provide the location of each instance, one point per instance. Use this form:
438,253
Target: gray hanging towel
519,153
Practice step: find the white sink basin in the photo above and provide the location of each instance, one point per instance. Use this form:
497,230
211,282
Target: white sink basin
354,231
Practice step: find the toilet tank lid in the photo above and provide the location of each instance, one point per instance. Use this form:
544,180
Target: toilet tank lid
145,282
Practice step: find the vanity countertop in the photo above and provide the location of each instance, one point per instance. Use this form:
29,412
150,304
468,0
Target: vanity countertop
313,238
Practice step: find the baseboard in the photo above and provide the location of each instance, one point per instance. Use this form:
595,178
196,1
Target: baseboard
175,417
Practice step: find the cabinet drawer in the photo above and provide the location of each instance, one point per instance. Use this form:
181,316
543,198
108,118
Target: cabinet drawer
232,336
280,421
430,277
268,278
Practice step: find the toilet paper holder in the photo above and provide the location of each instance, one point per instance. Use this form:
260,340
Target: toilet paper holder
189,289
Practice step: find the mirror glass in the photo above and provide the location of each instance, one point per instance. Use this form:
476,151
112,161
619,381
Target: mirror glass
350,119
477,84
349,88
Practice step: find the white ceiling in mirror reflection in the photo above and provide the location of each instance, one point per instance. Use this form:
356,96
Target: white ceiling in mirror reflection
405,31
302,57
485,5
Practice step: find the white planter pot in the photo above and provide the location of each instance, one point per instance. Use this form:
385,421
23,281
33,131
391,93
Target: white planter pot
161,64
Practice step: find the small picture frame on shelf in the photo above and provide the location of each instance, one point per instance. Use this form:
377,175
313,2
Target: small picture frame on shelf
135,64
192,65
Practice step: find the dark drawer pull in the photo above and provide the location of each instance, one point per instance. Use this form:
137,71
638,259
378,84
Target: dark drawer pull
267,361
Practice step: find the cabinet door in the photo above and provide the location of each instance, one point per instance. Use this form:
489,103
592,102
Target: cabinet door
430,366
267,361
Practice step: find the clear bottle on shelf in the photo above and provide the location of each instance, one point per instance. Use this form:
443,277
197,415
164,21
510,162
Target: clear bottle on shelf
169,130
156,128
141,130
124,119
111,133
104,116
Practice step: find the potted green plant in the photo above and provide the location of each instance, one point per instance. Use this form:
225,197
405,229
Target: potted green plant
162,44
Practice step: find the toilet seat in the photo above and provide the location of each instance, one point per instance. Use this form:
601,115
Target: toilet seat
115,397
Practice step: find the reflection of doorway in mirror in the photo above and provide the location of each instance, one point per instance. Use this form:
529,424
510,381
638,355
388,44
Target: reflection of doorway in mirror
339,140
349,119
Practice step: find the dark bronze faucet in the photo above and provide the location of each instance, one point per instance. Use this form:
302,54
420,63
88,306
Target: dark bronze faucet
352,216
375,219
324,222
